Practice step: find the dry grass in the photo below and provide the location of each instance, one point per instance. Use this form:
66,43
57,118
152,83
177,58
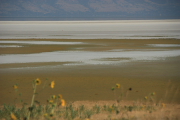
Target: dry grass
56,107
160,112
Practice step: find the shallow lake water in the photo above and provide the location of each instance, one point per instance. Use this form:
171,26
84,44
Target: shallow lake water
87,57
41,42
119,29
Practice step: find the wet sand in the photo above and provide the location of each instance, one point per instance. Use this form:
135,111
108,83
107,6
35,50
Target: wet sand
92,82
91,45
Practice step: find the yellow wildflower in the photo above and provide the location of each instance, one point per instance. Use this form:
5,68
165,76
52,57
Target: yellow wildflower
50,101
145,97
143,107
54,97
38,81
163,105
118,85
13,117
45,115
52,84
60,96
15,87
63,102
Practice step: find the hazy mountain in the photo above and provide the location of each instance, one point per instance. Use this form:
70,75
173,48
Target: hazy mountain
91,8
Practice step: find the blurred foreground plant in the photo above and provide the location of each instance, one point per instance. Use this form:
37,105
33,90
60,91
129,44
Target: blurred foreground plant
57,108
121,94
35,83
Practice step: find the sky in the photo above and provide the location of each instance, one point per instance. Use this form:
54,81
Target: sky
89,9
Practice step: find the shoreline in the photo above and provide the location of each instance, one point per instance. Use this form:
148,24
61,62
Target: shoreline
93,21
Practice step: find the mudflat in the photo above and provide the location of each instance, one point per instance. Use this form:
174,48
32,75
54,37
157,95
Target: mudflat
91,82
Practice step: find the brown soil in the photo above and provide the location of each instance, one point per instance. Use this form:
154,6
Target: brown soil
91,45
92,82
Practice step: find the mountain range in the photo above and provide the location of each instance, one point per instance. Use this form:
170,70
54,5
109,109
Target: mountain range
91,8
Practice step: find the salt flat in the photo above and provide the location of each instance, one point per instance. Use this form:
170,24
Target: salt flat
130,29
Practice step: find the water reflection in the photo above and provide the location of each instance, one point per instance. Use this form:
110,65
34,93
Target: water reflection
6,46
164,45
41,42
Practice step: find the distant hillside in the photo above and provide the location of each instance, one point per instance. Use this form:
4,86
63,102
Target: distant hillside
91,8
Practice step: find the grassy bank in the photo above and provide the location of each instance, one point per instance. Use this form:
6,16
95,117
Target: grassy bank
56,106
